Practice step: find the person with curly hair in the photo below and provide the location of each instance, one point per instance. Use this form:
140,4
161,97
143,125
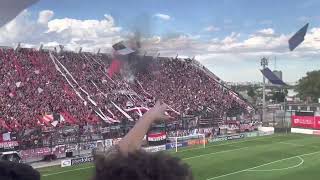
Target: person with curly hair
17,171
127,161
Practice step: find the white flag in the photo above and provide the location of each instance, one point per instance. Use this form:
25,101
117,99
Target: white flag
54,123
61,118
18,84
40,90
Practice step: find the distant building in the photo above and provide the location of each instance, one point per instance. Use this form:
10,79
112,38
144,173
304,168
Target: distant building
278,74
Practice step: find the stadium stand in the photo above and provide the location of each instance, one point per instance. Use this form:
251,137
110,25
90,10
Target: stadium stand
45,91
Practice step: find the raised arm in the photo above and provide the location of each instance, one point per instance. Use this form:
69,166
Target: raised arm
132,141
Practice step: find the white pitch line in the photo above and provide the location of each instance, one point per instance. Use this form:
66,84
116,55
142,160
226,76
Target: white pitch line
280,169
244,170
219,152
71,170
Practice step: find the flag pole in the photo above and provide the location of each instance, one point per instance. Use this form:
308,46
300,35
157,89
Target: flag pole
264,64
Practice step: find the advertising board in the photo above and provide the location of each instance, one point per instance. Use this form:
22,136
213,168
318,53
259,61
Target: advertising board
251,134
316,133
66,163
173,145
155,148
235,136
76,161
301,131
226,137
196,142
307,122
81,160
218,139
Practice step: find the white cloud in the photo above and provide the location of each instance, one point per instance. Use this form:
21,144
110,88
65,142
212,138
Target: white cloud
162,16
217,53
73,33
268,31
45,16
211,28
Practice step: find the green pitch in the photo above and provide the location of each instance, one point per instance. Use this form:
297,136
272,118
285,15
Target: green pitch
277,157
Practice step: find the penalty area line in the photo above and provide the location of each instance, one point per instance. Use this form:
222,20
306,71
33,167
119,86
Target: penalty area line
280,169
272,162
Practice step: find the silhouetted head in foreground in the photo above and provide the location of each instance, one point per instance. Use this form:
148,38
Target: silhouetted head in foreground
141,165
17,171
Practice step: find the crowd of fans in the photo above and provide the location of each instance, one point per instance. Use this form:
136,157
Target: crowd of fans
75,88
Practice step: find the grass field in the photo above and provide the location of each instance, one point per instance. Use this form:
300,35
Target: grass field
276,157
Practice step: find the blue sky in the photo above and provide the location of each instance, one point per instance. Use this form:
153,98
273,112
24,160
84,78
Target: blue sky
189,16
228,36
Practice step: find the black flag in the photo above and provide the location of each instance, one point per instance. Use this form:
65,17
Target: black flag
122,49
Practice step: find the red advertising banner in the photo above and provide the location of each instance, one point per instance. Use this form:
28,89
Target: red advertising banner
307,122
317,122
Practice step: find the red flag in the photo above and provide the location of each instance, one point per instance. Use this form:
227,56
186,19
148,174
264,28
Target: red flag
114,67
68,117
46,119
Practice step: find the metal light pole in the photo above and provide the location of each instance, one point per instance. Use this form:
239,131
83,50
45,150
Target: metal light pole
264,64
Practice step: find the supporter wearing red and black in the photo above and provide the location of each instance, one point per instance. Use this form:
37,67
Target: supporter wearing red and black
31,86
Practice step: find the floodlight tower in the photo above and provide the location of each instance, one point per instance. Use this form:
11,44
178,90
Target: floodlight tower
264,64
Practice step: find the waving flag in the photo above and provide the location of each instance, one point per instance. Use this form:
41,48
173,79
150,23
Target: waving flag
122,49
67,117
123,112
298,37
114,67
139,110
47,119
272,77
